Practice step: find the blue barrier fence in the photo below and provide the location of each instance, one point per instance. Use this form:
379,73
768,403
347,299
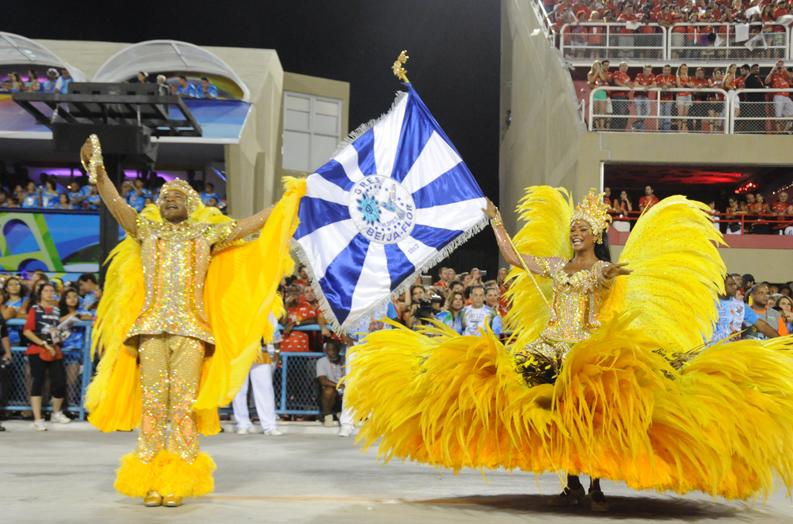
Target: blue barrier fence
294,383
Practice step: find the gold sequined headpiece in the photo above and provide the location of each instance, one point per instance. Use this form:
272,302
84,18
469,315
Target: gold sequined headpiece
177,184
594,212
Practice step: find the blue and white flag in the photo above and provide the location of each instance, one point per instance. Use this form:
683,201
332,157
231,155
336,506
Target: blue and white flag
393,202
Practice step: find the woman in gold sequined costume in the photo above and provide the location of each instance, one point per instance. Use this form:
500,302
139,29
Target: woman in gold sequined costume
186,303
605,373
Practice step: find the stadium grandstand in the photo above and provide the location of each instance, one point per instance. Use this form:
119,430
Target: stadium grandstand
688,97
252,123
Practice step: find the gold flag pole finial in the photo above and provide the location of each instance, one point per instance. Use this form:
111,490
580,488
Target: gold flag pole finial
398,68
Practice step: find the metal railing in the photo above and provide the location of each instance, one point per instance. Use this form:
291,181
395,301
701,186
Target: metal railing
595,40
295,384
761,111
717,41
728,222
79,370
697,42
654,110
545,20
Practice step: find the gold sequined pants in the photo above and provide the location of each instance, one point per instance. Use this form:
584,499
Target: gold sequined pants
170,370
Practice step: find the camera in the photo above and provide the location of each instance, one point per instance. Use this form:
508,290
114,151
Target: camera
424,309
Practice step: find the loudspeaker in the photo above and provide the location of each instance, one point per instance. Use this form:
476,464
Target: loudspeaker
130,141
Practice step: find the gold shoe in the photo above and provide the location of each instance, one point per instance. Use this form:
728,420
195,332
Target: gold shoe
152,499
172,501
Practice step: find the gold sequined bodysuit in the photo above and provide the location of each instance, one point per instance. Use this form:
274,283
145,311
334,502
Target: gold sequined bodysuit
576,300
175,261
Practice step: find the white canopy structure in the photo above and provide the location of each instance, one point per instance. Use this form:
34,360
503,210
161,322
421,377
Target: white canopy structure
165,55
18,50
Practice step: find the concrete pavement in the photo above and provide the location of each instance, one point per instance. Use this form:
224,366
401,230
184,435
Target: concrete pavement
310,475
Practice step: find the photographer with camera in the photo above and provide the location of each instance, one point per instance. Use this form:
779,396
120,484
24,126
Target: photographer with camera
44,355
418,308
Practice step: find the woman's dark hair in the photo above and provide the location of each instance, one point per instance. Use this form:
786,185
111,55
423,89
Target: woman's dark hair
451,298
5,288
780,299
41,289
62,304
602,251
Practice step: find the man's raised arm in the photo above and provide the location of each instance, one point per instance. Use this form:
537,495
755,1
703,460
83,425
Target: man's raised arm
125,215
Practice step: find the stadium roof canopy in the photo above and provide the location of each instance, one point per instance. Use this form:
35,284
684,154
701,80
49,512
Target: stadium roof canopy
156,56
20,51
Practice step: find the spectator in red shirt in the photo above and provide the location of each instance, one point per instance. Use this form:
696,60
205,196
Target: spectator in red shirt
298,313
44,355
596,34
642,82
607,197
619,98
624,204
666,80
648,200
780,206
683,98
699,100
625,41
780,78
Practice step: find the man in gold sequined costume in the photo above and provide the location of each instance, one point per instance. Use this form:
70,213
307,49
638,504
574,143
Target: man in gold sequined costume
171,333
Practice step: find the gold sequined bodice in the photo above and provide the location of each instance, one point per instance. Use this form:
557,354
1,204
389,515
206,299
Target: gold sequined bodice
175,262
576,300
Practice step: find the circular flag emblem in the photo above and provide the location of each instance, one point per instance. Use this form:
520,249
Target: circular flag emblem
382,209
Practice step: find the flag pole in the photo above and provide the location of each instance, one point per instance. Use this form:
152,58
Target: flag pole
526,269
398,68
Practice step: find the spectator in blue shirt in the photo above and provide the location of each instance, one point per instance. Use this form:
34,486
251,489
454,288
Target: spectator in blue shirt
64,202
31,198
78,194
184,88
52,78
734,315
208,193
206,89
90,292
137,196
452,316
49,196
93,199
62,84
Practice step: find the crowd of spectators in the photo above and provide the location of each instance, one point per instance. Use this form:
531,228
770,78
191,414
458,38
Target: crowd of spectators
754,310
50,308
693,110
55,81
747,213
666,12
465,302
52,193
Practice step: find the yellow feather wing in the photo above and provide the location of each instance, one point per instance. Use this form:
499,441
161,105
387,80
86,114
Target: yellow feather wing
677,275
113,398
240,293
546,212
